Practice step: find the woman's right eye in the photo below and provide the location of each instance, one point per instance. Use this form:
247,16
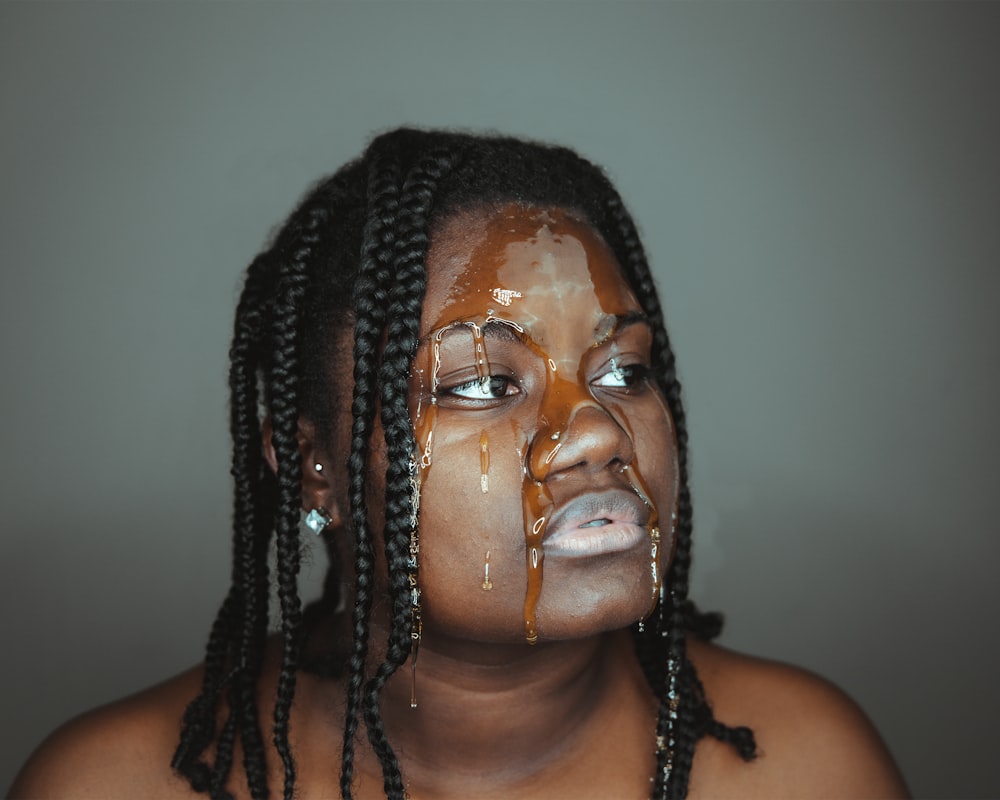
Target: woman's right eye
492,387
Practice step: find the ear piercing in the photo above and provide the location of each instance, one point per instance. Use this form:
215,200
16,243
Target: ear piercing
318,520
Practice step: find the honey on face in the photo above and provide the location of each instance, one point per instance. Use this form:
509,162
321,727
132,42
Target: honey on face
551,282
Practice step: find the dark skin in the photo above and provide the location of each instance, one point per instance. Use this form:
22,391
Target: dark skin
572,715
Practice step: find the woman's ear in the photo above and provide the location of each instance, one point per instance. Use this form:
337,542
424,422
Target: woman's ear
317,477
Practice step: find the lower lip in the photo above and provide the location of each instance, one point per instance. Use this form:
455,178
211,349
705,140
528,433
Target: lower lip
595,541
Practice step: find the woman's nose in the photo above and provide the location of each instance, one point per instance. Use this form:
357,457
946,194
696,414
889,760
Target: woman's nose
584,438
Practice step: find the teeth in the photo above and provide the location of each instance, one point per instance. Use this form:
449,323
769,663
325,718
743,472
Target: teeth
596,523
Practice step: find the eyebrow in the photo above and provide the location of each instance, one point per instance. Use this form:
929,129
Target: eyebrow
496,328
633,317
508,331
623,321
493,328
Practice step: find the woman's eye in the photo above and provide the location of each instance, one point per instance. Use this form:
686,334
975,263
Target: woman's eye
492,387
623,376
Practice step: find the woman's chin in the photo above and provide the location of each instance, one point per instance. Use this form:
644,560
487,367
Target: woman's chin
576,603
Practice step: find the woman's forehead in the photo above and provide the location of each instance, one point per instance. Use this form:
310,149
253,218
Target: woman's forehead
540,268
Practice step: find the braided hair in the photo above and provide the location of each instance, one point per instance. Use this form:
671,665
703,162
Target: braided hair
355,251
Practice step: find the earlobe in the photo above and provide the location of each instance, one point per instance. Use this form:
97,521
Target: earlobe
267,445
317,489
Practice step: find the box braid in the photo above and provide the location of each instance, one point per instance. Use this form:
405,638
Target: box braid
243,651
355,249
671,622
403,326
371,296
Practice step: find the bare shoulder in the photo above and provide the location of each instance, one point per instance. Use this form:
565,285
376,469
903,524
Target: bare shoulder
812,739
120,750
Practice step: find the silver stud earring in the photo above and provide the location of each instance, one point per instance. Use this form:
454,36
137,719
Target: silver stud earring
318,520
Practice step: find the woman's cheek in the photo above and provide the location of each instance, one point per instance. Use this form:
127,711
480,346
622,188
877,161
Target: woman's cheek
471,499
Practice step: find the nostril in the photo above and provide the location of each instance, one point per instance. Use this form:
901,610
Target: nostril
589,437
544,458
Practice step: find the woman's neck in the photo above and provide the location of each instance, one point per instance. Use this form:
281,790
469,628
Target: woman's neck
507,717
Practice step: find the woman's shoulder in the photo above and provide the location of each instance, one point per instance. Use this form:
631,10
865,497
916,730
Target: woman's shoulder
812,739
119,750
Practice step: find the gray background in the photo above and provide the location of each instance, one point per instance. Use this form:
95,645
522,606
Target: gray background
818,187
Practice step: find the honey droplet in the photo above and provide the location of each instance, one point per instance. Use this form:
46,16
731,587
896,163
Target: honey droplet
484,462
487,583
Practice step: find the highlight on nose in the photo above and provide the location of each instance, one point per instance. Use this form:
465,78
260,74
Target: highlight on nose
585,435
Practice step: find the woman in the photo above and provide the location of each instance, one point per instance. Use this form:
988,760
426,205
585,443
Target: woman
452,360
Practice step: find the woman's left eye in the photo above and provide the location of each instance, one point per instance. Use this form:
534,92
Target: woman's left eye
623,376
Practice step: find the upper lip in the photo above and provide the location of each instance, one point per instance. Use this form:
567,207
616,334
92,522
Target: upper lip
614,505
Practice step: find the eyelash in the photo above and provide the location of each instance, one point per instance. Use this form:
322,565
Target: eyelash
632,377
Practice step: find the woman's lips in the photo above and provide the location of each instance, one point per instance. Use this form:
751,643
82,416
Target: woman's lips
597,523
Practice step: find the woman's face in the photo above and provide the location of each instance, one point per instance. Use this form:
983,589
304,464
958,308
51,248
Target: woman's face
547,456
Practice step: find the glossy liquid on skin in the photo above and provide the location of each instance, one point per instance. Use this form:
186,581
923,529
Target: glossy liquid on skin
482,361
634,475
561,400
484,463
639,486
564,395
